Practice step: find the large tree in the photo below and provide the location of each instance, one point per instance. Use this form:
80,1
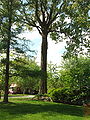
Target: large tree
44,15
59,19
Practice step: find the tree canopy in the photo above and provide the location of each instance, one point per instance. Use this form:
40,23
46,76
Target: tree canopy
78,28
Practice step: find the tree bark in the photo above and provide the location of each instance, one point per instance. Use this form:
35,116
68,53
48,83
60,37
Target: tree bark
8,52
7,72
43,83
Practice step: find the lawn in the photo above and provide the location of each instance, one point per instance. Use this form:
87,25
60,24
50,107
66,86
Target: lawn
26,109
15,95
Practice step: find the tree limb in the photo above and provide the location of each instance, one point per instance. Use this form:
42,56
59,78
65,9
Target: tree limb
36,13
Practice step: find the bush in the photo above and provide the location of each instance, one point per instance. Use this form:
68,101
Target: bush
61,95
65,95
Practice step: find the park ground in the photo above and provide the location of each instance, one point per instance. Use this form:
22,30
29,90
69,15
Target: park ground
27,109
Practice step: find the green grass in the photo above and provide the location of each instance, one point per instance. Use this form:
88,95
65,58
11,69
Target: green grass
15,95
26,109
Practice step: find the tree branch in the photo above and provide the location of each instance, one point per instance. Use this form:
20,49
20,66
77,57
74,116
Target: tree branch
36,13
53,19
43,12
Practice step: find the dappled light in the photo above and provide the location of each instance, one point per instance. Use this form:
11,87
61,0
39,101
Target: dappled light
22,108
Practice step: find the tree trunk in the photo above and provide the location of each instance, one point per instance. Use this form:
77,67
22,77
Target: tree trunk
8,51
43,83
7,73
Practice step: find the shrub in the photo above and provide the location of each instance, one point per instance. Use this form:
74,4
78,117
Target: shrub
65,95
61,95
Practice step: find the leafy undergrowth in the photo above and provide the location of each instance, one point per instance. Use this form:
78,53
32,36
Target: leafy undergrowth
26,109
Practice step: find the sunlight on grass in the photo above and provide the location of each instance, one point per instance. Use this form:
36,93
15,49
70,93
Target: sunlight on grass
25,109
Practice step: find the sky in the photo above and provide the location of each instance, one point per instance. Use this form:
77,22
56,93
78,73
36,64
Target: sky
55,51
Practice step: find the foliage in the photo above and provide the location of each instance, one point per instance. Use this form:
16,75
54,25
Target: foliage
73,73
9,10
68,96
9,16
73,83
10,28
78,28
53,77
76,72
25,73
60,95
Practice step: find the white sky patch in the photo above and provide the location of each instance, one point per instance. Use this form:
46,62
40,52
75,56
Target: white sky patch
55,51
89,13
34,36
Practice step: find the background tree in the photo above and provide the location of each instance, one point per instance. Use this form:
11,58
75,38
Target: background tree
76,73
78,28
25,73
8,35
74,82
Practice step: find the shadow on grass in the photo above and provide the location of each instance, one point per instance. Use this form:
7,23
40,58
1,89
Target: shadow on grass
34,107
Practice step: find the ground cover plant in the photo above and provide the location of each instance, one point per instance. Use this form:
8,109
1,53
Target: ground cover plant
26,109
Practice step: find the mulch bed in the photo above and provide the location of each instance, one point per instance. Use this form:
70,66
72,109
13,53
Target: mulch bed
86,109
